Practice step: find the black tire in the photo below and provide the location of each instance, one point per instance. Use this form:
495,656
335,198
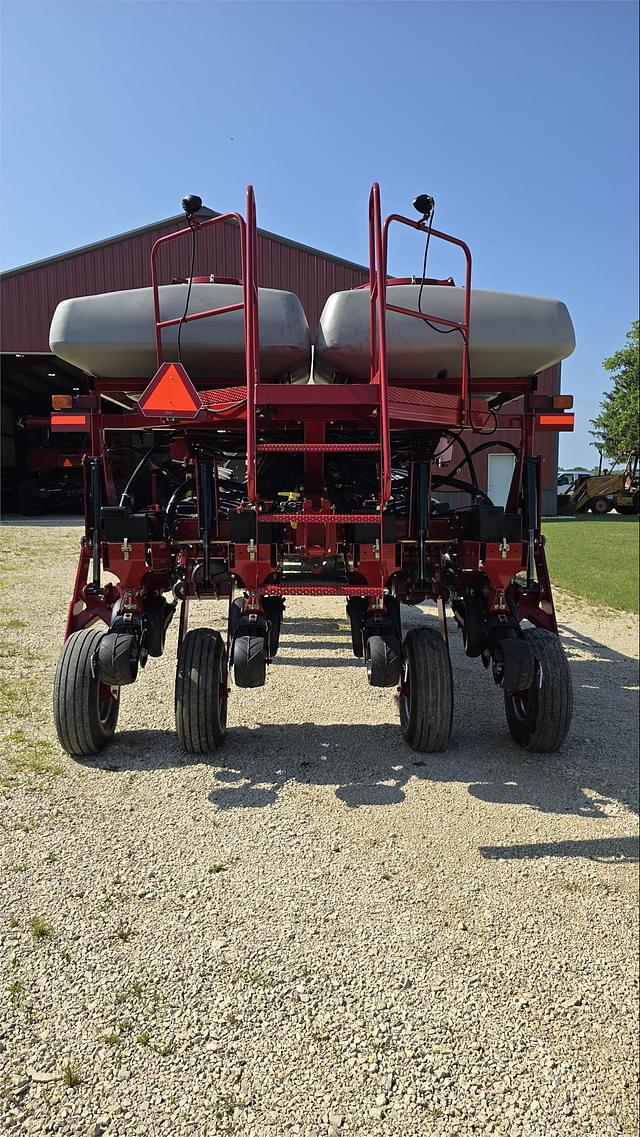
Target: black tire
201,691
426,692
475,637
274,608
236,608
357,611
518,664
158,615
30,504
85,715
539,718
630,510
249,661
600,505
384,661
118,659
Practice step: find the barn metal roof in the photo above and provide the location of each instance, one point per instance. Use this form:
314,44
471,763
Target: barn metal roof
169,222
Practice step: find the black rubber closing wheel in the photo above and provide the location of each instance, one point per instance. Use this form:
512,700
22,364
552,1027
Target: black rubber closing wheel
426,691
357,611
236,609
600,505
518,664
384,661
158,615
201,691
85,711
274,608
539,718
249,661
474,632
118,658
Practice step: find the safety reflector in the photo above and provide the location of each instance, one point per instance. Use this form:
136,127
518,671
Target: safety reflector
556,422
70,423
170,394
61,402
67,463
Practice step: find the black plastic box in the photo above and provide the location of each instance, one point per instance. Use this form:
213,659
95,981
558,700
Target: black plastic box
488,525
118,523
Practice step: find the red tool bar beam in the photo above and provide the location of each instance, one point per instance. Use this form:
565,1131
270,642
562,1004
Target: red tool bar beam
331,395
401,413
323,518
319,590
318,447
337,393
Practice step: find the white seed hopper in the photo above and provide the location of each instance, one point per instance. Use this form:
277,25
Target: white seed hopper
510,336
111,335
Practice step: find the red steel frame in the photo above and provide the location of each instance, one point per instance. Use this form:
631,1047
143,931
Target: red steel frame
379,567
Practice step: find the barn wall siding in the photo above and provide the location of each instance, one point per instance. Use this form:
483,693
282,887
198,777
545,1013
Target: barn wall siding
28,297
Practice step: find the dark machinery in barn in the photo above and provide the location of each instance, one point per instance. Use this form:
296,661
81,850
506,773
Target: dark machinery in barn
229,462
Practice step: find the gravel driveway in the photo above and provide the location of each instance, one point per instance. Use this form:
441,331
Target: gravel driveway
315,931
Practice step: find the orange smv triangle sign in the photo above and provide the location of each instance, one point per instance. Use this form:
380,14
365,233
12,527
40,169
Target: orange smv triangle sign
170,394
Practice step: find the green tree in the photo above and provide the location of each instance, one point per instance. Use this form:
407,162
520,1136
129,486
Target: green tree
617,428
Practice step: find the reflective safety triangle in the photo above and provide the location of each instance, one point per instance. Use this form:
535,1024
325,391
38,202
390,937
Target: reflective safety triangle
170,394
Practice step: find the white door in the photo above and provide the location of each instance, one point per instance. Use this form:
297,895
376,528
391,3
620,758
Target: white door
500,474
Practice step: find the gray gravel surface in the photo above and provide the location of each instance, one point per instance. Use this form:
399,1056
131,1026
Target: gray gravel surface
315,931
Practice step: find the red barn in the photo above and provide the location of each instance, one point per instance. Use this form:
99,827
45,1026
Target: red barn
30,294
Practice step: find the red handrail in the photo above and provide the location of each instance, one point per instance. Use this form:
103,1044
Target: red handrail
251,341
249,306
464,324
378,334
159,323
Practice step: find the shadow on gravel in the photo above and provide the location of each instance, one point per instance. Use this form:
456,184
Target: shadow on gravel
594,776
599,757
625,850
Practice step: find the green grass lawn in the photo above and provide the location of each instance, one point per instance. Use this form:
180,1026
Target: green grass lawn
595,557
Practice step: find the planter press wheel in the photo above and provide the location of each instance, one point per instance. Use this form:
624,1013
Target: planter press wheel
201,691
356,611
474,629
426,691
274,608
384,661
249,661
85,711
539,717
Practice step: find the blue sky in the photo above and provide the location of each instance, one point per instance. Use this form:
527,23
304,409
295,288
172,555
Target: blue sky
519,117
